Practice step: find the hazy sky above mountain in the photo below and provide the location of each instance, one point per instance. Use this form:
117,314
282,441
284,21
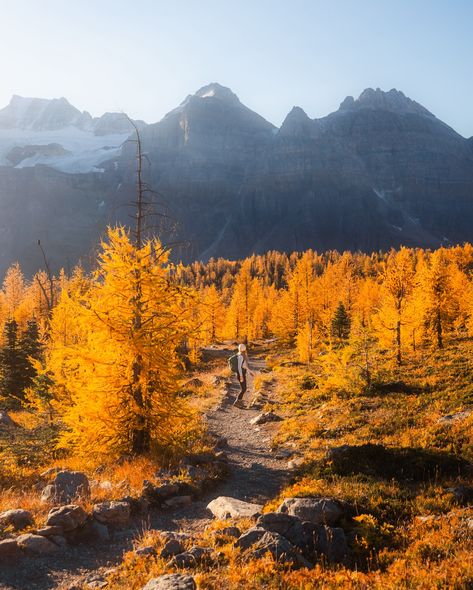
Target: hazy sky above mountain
144,56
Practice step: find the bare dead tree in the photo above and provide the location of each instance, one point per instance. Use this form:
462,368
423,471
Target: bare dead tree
48,291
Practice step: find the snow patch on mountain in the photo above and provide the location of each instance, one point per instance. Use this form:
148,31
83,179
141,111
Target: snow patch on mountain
83,151
38,131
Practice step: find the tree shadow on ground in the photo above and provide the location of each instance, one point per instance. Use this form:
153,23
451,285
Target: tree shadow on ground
397,463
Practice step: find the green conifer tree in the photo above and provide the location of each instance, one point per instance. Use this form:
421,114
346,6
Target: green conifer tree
11,366
341,323
30,348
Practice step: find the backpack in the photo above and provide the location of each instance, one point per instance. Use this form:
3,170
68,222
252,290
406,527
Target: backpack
233,363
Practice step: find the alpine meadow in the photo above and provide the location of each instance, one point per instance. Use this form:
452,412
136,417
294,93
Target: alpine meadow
236,354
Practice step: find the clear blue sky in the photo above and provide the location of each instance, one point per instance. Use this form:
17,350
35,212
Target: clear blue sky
144,56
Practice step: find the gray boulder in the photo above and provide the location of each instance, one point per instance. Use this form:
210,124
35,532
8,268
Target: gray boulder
171,582
331,542
277,522
148,551
316,510
226,507
66,487
230,531
68,517
171,548
112,513
280,548
249,538
17,519
36,544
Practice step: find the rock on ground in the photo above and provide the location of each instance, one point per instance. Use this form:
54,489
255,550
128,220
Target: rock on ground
68,517
265,417
250,537
226,507
277,522
316,510
280,548
147,551
332,542
66,486
194,557
171,548
36,545
50,531
171,582
453,418
17,519
158,494
113,513
230,531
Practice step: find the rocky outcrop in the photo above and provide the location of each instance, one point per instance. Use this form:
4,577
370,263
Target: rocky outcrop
293,540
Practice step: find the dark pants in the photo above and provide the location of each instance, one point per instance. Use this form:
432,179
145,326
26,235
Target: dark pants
242,380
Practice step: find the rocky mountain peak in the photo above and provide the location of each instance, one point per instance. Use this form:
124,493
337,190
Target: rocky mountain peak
217,91
297,122
41,113
377,99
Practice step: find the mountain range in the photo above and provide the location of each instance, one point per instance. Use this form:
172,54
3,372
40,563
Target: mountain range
379,172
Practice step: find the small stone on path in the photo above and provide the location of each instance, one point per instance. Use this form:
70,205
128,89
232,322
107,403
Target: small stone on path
265,417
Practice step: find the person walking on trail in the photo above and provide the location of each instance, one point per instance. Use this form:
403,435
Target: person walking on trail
243,369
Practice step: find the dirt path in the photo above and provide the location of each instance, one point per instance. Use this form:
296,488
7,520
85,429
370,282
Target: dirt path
256,475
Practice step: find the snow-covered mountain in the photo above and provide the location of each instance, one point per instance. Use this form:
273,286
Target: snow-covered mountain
53,133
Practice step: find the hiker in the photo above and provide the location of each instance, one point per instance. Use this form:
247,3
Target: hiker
243,368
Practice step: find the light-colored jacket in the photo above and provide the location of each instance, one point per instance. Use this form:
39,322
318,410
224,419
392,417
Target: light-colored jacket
242,364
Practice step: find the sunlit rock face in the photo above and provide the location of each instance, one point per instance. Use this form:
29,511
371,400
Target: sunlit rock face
378,172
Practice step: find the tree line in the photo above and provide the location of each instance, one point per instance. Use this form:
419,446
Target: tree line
100,353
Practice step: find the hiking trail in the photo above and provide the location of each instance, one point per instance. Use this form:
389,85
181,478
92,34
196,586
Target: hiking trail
256,474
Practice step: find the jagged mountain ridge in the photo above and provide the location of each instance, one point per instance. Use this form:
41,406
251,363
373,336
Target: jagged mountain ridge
378,172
